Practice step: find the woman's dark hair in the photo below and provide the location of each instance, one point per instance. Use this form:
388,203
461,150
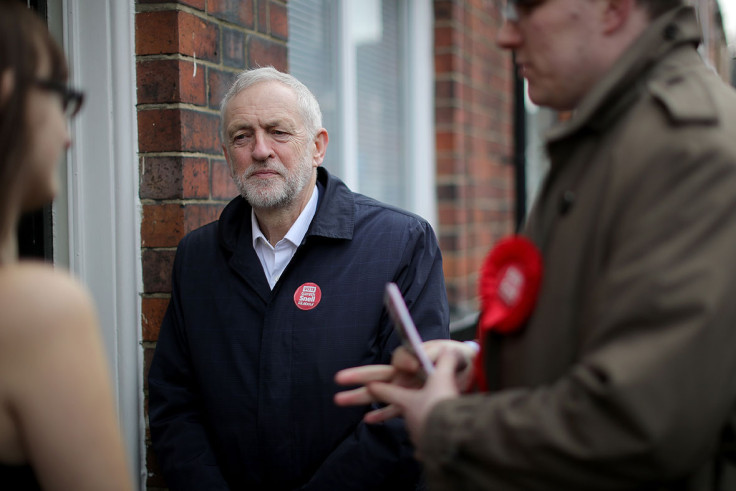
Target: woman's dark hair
24,43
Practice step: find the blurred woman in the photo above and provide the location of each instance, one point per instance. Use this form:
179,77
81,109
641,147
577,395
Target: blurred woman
58,427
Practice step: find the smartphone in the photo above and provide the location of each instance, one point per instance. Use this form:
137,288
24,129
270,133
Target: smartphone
407,330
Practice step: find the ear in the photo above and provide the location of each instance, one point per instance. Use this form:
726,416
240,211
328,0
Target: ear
7,84
320,146
616,13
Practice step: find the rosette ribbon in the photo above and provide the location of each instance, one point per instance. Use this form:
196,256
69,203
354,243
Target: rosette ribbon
508,288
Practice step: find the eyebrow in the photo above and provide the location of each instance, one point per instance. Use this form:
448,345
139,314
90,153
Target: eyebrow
285,123
268,124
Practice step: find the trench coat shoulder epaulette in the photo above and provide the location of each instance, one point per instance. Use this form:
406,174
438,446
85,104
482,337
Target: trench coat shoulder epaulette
684,97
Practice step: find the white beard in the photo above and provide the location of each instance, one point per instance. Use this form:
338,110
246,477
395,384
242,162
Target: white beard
274,192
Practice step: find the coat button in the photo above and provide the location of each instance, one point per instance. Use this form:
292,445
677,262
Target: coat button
566,201
671,32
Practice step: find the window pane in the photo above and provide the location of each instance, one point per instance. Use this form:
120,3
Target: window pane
379,54
350,53
313,60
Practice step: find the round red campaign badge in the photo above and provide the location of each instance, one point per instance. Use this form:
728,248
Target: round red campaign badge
508,287
307,296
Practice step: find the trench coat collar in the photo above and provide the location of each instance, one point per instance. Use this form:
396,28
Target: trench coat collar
334,218
614,93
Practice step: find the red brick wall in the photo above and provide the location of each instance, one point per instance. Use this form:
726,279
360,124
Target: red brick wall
474,141
187,53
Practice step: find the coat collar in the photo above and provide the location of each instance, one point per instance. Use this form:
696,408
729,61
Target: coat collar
335,216
614,93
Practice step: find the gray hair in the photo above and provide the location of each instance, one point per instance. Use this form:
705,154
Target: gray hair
307,103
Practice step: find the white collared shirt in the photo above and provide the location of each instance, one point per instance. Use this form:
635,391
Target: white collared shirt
274,259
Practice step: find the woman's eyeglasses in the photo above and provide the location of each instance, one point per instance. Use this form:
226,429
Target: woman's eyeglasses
71,99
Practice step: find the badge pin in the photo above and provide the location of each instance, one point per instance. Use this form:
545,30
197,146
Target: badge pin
307,296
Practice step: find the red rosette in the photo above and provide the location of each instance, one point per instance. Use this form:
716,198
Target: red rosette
508,288
509,283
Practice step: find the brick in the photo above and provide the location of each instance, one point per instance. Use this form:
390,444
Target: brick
170,130
198,38
195,178
160,177
197,4
159,130
192,88
161,225
152,315
219,83
197,215
171,32
445,89
264,52
455,265
444,117
157,81
446,9
240,12
148,353
174,177
445,142
447,192
446,62
262,14
449,166
156,270
233,48
223,186
170,81
444,37
200,132
156,33
278,21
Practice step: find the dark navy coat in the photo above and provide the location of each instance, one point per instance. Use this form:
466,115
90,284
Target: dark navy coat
241,384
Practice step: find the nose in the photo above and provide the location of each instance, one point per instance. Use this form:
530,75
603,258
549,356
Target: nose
261,148
509,36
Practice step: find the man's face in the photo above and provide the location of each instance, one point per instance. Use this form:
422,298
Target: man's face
267,146
554,42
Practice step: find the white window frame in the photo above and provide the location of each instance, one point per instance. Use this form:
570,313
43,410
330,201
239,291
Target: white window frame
97,215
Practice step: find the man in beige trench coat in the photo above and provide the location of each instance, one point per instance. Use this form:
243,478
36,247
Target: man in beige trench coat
624,375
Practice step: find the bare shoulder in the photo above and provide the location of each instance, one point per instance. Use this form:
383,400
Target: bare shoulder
35,296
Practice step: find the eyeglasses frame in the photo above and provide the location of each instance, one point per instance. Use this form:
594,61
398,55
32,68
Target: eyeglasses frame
71,99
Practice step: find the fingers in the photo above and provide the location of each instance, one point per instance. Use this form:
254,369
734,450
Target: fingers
355,397
389,393
405,361
365,374
382,414
447,363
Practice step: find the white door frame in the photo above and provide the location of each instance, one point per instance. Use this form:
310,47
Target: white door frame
97,219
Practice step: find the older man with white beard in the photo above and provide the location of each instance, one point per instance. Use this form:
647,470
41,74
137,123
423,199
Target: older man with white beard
272,299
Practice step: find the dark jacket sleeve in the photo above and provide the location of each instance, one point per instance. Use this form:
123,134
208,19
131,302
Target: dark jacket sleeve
381,456
179,438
